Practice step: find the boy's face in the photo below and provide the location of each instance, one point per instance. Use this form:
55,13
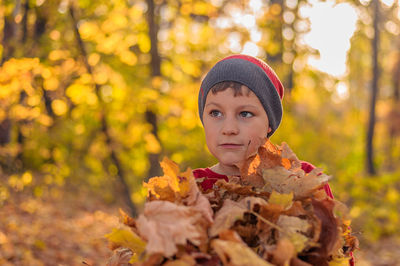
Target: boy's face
234,125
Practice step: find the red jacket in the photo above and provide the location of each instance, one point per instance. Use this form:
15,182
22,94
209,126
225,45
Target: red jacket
212,177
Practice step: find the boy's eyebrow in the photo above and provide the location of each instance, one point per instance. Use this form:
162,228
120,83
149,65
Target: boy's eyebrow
213,104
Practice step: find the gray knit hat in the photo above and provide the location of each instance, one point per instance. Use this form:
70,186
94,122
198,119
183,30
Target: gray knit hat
256,75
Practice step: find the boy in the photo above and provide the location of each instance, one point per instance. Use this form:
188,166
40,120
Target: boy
240,103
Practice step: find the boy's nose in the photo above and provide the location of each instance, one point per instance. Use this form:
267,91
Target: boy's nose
230,128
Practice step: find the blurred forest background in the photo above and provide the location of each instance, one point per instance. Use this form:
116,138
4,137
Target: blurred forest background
94,93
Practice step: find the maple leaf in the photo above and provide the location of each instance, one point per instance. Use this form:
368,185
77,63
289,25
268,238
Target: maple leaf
173,186
165,225
178,187
301,184
236,254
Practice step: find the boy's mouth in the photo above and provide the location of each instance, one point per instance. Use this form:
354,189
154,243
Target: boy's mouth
230,145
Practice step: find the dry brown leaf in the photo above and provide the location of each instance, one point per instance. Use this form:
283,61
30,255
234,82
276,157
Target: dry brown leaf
230,235
165,225
185,260
287,153
268,156
230,212
236,188
301,184
236,254
330,233
126,219
296,209
121,257
292,224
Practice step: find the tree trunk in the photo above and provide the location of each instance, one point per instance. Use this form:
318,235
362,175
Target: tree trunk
393,119
374,91
126,194
25,22
150,115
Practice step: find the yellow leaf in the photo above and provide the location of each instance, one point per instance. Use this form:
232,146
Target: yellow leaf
179,181
127,238
236,254
160,188
298,240
284,200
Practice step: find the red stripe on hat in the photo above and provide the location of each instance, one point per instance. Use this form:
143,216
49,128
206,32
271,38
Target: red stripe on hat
267,69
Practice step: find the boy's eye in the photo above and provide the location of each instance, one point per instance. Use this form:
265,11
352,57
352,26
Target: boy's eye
246,114
215,113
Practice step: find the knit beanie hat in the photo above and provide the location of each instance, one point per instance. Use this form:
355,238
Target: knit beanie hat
256,75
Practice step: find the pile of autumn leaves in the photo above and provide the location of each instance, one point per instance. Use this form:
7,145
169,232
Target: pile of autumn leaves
274,214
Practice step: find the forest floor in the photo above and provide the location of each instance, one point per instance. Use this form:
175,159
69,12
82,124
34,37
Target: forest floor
68,228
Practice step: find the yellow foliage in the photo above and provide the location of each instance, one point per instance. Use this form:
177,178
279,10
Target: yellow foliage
156,82
88,29
93,59
128,57
27,178
51,83
152,144
144,43
45,120
135,12
59,107
80,94
58,55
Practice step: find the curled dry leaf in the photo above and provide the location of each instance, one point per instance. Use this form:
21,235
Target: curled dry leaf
165,225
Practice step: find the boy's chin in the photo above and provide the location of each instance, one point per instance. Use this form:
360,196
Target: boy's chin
232,163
